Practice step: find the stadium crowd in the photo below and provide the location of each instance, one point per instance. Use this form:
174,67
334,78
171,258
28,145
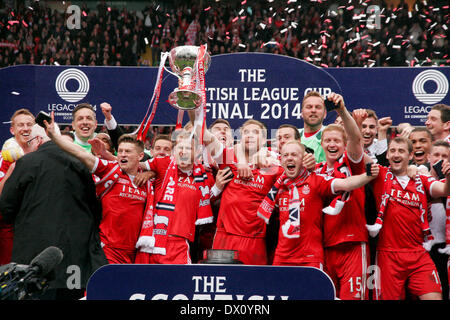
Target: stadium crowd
325,33
341,197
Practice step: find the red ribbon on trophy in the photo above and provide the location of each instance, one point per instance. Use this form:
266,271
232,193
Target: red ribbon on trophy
145,124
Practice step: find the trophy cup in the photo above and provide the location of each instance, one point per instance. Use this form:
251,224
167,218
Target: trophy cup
182,61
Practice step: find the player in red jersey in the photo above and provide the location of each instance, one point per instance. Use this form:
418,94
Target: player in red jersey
345,233
182,202
122,201
301,197
402,223
238,228
6,229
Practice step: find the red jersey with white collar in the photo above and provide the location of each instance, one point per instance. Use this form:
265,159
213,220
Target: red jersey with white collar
402,228
241,198
350,224
123,205
313,193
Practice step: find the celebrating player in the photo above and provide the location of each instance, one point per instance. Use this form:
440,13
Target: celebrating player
402,224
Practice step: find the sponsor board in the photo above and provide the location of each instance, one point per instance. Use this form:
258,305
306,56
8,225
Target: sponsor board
209,282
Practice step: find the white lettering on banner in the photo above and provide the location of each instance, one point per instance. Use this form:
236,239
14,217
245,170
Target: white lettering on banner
63,111
252,75
276,111
181,296
210,284
256,94
323,91
276,102
224,94
417,109
416,112
222,110
203,286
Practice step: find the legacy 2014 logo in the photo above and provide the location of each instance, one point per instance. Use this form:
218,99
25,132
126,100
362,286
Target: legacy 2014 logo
439,79
72,74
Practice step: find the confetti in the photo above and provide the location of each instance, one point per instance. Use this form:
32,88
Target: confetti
14,93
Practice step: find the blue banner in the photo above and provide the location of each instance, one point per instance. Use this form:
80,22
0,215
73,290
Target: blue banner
239,86
208,282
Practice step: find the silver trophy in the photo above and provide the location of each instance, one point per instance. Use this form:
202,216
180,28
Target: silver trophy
182,62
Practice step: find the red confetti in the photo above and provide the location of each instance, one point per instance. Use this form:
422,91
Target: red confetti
206,9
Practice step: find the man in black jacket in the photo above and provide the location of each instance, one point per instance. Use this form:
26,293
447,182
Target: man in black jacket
50,198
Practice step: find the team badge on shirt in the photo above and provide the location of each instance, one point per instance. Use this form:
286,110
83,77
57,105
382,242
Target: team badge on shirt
306,189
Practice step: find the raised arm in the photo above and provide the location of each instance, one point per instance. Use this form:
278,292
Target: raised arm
212,144
87,158
354,142
442,189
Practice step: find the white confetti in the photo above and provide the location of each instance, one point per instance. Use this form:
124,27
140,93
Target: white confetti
15,93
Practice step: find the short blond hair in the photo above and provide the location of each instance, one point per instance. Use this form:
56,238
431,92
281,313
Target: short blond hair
255,122
334,127
297,142
20,112
312,94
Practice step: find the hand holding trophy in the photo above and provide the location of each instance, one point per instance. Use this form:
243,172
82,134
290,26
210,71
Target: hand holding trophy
189,64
